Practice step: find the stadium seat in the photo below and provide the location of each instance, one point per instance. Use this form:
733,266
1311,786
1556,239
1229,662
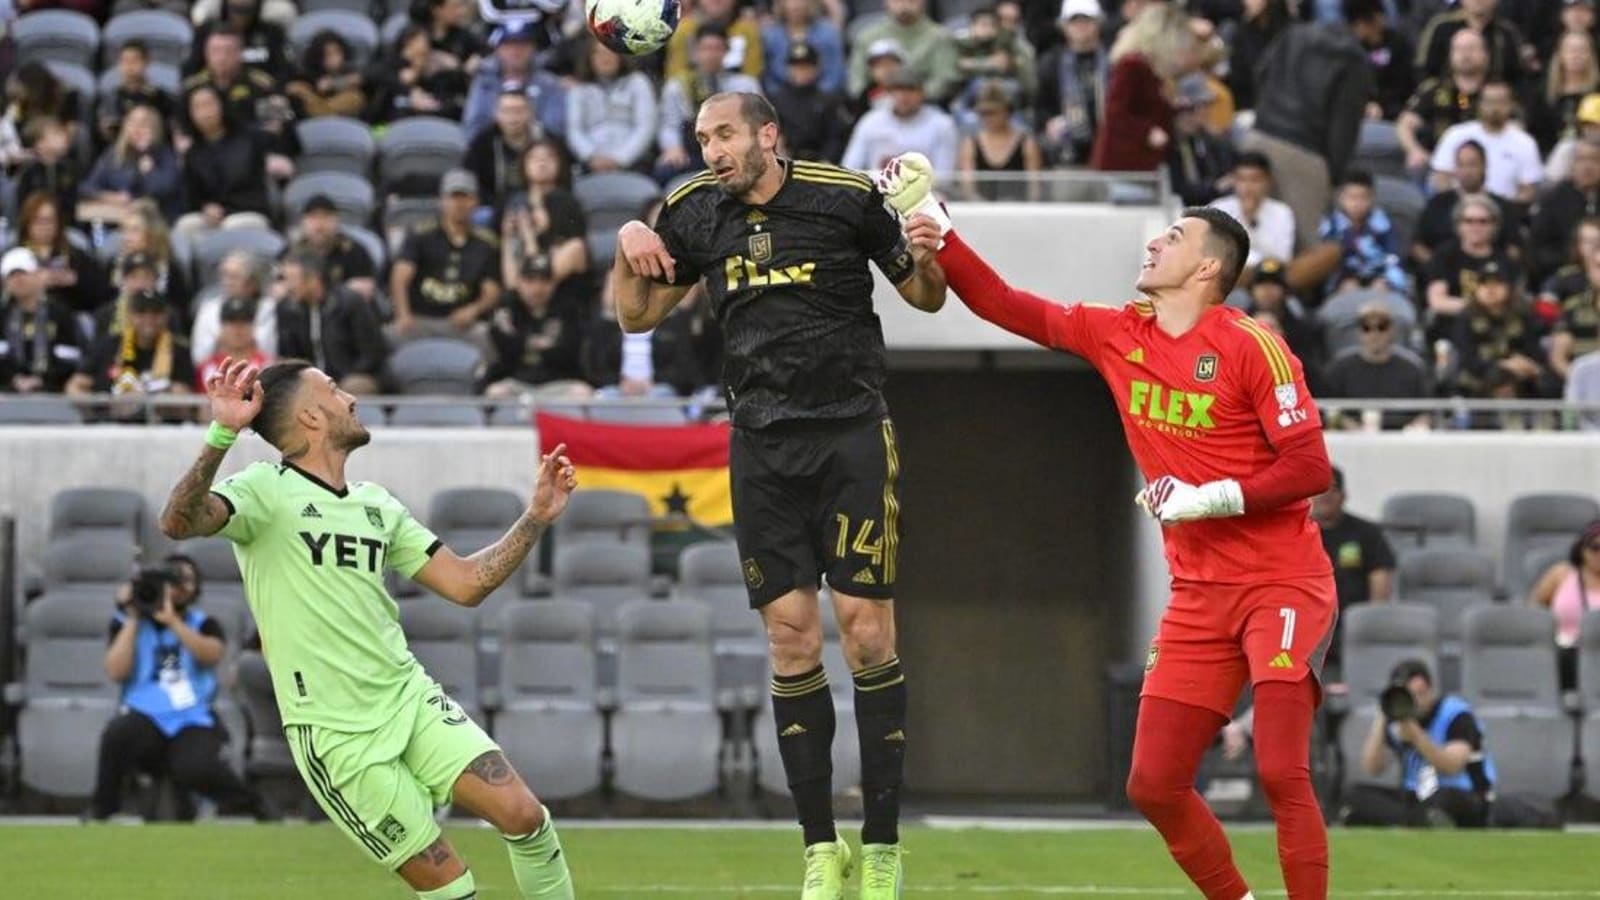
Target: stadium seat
510,415
165,76
549,721
710,573
268,748
369,242
436,366
38,411
392,27
610,199
402,213
443,637
1510,657
353,194
66,646
1449,580
58,742
357,30
215,559
214,245
1583,386
335,144
169,36
414,153
359,7
602,246
1532,750
102,511
604,575
666,734
57,35
1403,201
1536,523
80,79
609,516
627,411
1419,520
489,510
1378,150
89,563
222,585
436,415
1376,636
846,749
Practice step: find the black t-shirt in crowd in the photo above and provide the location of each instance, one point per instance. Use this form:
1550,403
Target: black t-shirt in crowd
1395,378
448,274
1440,104
1356,547
789,285
533,347
1580,318
345,261
106,365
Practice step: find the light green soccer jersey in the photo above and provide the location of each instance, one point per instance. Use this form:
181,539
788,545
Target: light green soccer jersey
313,560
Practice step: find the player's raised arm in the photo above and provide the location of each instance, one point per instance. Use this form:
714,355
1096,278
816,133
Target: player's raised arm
468,580
192,510
642,278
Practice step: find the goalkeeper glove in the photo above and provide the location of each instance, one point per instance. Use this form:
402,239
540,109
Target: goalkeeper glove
1169,500
907,184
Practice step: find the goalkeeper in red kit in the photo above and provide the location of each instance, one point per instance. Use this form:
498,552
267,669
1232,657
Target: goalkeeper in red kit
1230,444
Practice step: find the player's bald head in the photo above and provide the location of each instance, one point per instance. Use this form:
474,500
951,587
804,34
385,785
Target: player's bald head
280,385
1224,240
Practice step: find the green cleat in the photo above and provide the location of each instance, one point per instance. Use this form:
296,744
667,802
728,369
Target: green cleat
827,867
881,869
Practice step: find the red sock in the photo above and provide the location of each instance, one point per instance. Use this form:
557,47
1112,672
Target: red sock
1284,712
1167,747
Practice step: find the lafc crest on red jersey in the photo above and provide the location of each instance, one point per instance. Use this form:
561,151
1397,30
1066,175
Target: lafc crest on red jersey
1205,368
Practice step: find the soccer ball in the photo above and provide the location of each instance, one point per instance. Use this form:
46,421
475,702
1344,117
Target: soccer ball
633,27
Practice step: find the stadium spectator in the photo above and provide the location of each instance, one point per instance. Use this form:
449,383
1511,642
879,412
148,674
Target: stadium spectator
1439,103
1072,85
71,276
1552,112
446,277
1571,278
261,42
224,171
547,220
1498,341
1217,111
1269,293
328,83
986,53
1452,275
1558,165
1150,54
795,23
884,59
347,262
1311,94
672,360
241,281
145,240
537,345
249,94
1436,226
612,114
1573,15
147,358
1447,777
1363,562
1258,25
816,122
140,163
164,658
1570,588
1365,235
133,89
53,169
41,346
320,321
906,124
33,93
1389,56
682,95
453,43
1268,221
1559,210
927,48
495,153
745,52
413,82
1503,42
514,60
1198,162
1513,167
1376,368
1577,326
1000,145
236,339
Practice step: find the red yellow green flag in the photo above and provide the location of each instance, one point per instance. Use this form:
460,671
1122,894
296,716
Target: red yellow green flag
680,469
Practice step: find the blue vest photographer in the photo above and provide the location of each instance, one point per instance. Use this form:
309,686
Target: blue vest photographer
1447,779
164,652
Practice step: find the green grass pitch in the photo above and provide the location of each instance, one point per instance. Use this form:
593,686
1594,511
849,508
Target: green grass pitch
245,862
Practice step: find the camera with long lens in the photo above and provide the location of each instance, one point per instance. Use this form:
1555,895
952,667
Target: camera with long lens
149,590
1397,703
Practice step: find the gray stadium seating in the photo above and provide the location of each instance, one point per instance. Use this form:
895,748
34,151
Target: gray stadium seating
58,739
89,563
38,411
165,76
1538,522
1510,657
610,199
77,77
169,36
436,415
846,741
1424,519
469,519
1376,636
1403,201
353,194
422,147
1532,749
222,586
66,699
607,516
605,576
334,144
360,7
214,245
1378,151
549,720
56,35
436,366
666,733
628,411
443,638
357,30
269,749
370,242
215,558
1452,582
1583,386
103,511
710,573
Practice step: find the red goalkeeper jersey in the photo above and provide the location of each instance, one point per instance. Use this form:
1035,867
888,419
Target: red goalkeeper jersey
1225,400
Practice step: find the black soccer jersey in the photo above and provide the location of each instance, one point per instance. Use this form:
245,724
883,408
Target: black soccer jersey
789,285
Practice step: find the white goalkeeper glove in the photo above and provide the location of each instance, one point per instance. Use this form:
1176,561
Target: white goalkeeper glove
1169,500
907,183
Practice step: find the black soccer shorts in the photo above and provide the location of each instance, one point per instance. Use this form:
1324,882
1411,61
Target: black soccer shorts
815,499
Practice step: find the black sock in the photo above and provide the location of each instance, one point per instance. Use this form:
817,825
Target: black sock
802,709
881,721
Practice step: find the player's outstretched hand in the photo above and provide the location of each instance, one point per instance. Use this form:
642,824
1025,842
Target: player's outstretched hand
906,183
235,400
647,256
1170,501
924,236
553,485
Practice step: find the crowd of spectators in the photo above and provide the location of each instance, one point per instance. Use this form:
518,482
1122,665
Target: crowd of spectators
1463,264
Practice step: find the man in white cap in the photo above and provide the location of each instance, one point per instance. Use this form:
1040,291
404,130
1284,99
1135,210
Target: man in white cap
40,344
1072,83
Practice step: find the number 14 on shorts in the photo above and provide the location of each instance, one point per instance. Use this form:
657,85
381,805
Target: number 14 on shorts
863,544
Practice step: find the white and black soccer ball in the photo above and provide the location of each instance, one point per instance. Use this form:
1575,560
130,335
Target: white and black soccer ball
633,27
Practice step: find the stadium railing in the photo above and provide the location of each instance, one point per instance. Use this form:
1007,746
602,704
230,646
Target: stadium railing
1059,186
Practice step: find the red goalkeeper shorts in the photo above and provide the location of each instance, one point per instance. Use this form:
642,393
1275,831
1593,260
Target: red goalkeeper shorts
1212,637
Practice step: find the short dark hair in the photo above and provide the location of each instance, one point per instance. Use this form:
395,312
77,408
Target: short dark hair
136,45
173,560
1497,81
1361,10
1226,240
278,384
1471,144
1253,160
755,109
1407,669
714,31
1358,177
310,263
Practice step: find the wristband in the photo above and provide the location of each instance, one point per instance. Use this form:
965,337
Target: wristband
220,436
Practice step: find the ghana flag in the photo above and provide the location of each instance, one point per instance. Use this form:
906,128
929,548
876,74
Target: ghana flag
680,469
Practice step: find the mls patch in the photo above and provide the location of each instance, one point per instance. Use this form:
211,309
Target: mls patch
374,516
1288,397
1205,368
1150,658
392,830
753,578
761,247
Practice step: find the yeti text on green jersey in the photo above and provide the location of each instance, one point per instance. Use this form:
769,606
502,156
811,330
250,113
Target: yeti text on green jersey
313,560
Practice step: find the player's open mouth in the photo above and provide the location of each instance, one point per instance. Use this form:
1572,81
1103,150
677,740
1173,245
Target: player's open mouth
724,174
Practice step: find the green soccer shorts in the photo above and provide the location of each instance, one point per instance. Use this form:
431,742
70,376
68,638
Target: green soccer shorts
381,787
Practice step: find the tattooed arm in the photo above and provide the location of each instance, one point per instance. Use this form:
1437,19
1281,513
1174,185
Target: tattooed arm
191,509
468,580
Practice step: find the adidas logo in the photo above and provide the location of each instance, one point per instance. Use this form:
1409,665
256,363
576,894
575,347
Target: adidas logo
310,512
1136,355
864,577
1281,661
896,735
793,730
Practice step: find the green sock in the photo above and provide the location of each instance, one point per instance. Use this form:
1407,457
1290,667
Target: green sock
538,864
463,888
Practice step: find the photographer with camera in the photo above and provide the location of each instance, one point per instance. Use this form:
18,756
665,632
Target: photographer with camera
164,653
1447,778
